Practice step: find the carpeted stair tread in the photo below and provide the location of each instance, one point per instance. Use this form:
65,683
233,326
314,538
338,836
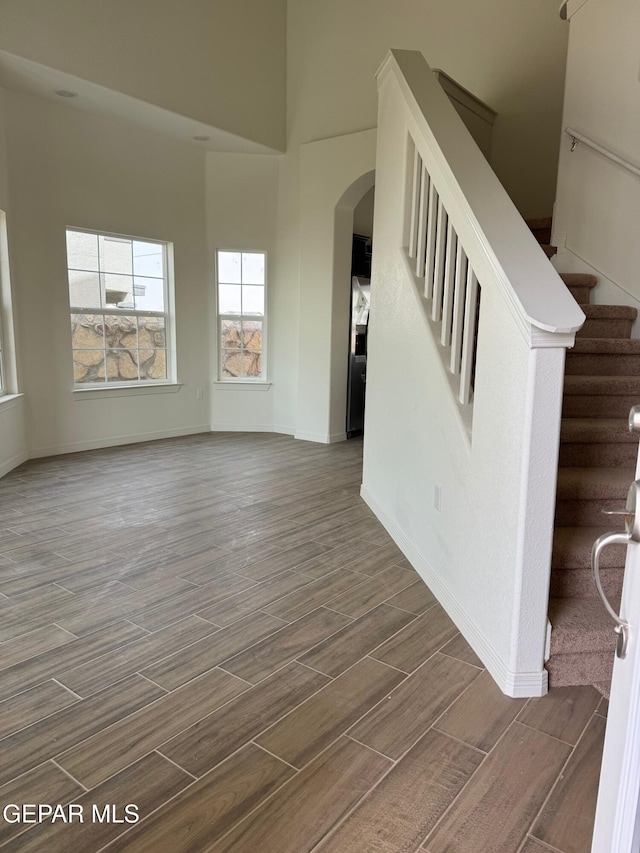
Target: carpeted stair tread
580,668
579,279
590,484
602,385
607,321
609,312
596,430
604,356
603,687
580,286
609,346
572,548
580,625
578,583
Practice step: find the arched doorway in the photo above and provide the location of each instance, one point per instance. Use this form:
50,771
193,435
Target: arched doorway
334,176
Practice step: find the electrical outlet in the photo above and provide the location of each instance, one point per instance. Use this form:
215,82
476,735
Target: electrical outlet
437,497
199,394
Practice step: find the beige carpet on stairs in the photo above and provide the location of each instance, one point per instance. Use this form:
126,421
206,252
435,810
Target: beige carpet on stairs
597,464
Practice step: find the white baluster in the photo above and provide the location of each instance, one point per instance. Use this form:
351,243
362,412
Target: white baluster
438,274
458,310
469,338
415,200
422,222
453,260
432,224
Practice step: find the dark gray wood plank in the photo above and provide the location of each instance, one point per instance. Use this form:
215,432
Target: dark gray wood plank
206,810
307,730
109,751
481,715
30,672
419,640
147,784
47,738
347,646
303,811
393,726
45,784
497,806
237,606
205,744
98,674
33,704
563,712
314,594
180,667
400,811
357,601
415,598
567,819
265,657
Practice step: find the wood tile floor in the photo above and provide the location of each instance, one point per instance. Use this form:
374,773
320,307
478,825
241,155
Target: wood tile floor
217,631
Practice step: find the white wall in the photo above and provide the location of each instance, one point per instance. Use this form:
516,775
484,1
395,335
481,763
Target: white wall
241,203
71,168
511,55
598,203
13,439
222,63
328,170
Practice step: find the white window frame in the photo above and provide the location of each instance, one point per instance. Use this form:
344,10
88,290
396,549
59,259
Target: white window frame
3,383
8,371
261,380
168,314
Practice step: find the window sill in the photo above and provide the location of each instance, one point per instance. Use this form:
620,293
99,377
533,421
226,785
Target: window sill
248,385
8,399
94,393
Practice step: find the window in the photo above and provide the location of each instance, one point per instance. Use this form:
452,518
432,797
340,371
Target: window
241,315
120,320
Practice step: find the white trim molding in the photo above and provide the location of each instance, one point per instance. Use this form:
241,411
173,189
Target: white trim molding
12,463
519,685
116,441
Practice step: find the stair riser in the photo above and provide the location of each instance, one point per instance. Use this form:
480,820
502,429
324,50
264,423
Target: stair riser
602,364
598,455
580,294
578,583
598,405
579,513
596,327
570,670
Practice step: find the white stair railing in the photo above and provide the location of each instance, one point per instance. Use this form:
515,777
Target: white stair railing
469,327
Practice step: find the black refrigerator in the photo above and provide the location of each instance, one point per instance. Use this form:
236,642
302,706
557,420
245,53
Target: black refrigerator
357,378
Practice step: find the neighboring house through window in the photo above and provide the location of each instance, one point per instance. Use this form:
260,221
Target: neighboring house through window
242,281
119,295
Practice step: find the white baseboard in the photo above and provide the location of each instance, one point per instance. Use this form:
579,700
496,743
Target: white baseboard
281,430
115,441
322,437
12,463
516,684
